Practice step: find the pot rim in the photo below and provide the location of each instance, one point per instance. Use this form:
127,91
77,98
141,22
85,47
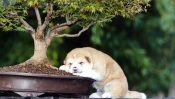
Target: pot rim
42,75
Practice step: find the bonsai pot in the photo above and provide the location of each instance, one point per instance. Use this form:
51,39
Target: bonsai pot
30,84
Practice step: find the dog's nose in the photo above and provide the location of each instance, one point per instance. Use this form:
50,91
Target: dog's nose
75,69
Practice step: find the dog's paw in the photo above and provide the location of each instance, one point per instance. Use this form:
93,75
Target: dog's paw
106,95
76,74
95,95
64,68
143,96
91,74
61,67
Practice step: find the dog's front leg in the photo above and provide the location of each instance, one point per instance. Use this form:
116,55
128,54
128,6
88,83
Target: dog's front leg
96,95
91,74
99,92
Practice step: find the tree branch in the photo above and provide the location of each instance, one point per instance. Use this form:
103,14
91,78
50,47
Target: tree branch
48,17
107,19
27,26
51,35
67,23
74,35
38,16
39,32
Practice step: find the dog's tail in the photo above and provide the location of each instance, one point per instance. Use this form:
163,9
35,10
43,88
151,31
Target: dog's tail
135,94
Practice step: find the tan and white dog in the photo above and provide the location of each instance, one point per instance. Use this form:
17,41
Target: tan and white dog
110,78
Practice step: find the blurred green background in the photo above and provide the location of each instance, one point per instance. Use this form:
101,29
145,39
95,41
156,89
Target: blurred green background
144,46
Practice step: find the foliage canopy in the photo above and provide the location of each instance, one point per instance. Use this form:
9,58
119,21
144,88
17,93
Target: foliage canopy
85,11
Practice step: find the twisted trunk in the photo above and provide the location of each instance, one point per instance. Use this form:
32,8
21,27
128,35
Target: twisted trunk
39,57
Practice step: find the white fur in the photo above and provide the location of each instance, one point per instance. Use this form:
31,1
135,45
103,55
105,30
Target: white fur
75,64
76,74
80,68
96,95
65,68
90,74
84,70
143,96
106,95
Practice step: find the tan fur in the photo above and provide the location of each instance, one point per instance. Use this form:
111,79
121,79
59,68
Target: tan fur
113,78
133,94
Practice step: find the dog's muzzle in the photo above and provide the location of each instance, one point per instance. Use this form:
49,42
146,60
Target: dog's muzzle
75,69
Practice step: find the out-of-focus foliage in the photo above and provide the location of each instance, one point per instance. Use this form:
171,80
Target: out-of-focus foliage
143,46
86,11
15,48
22,49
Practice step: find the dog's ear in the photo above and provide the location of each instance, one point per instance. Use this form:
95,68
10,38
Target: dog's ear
88,59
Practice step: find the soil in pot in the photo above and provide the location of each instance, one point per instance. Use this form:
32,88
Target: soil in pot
39,69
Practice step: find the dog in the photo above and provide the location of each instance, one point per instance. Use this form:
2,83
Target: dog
110,80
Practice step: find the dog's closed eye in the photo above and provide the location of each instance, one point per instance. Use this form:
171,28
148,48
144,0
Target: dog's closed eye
70,64
81,63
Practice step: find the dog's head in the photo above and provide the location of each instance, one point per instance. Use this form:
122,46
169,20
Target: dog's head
78,62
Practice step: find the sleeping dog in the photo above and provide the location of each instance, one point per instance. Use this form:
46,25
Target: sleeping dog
111,81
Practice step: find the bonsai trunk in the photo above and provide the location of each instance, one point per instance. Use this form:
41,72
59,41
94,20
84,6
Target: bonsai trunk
40,49
39,57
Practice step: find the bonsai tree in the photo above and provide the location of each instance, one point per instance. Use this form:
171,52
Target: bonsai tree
84,13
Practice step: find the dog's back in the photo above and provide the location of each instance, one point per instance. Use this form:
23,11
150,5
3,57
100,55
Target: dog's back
114,80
